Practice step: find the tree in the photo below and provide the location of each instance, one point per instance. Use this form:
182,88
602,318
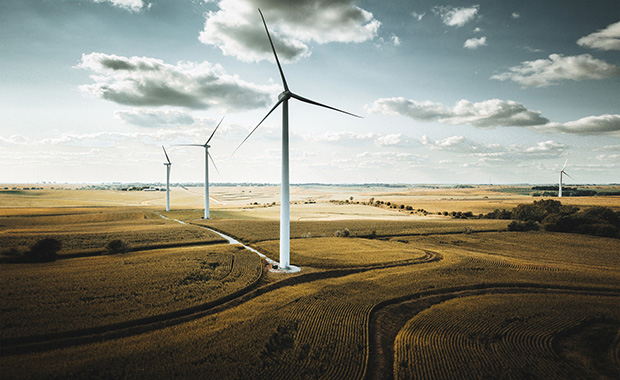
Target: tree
44,250
117,246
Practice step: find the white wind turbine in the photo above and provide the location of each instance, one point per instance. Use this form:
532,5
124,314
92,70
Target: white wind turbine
283,99
207,157
562,172
168,164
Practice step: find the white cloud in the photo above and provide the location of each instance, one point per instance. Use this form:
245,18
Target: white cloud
486,114
131,5
236,28
142,81
395,139
515,15
155,118
417,16
605,39
395,40
591,125
458,17
352,138
544,72
474,43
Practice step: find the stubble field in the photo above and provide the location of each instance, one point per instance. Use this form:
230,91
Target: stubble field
401,297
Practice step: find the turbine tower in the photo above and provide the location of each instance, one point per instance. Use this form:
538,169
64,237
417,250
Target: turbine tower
283,99
168,164
207,157
562,172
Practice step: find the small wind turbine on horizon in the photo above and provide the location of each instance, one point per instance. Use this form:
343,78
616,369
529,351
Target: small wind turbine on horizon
207,157
283,99
168,165
562,172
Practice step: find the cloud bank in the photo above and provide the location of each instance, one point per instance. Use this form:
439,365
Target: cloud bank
155,118
606,39
545,72
142,81
486,114
236,28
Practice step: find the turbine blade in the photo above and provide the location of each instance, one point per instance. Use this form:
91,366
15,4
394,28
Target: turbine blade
566,174
306,100
282,99
218,125
564,166
214,165
166,155
274,52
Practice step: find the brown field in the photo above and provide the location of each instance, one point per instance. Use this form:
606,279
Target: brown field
403,296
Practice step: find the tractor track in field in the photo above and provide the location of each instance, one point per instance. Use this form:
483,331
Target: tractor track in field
380,352
47,342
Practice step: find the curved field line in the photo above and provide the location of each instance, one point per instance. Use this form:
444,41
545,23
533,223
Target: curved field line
380,357
46,342
501,263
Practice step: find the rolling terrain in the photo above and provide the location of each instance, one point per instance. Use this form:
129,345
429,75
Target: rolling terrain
407,297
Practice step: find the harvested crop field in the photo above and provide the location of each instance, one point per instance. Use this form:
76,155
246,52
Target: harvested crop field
407,297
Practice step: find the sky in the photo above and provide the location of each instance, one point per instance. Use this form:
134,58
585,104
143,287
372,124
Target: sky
449,92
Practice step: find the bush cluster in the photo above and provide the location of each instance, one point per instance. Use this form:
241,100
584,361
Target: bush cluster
551,215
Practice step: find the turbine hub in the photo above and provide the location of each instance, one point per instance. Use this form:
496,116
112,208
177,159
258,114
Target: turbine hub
284,94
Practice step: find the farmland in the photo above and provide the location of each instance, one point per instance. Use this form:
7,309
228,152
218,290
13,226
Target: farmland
406,296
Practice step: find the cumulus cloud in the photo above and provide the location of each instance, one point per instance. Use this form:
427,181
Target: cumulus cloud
395,40
474,43
486,114
544,72
236,28
605,39
591,125
155,118
457,17
131,5
142,81
352,138
515,15
496,152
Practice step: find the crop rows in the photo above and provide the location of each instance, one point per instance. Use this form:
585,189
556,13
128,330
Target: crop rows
499,263
98,291
493,336
327,331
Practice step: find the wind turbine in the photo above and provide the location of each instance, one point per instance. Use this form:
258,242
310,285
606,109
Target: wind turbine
207,157
168,164
283,99
562,172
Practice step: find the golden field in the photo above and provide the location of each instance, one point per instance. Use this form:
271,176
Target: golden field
403,295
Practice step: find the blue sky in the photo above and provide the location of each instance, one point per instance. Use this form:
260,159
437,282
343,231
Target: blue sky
450,91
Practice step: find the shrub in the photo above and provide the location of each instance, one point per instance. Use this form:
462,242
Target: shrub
117,246
529,225
43,250
343,233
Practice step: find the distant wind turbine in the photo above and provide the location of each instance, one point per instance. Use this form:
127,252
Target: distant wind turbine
168,164
283,99
207,157
562,172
